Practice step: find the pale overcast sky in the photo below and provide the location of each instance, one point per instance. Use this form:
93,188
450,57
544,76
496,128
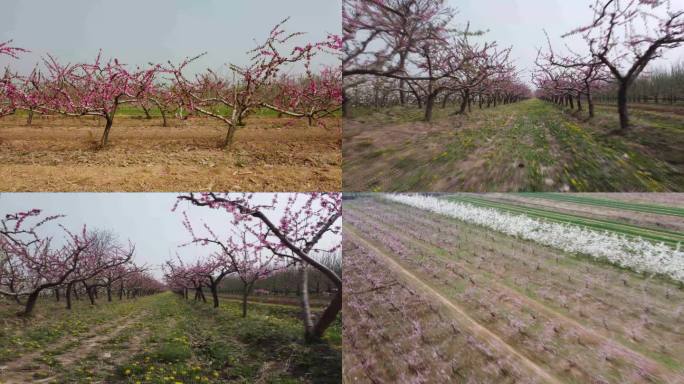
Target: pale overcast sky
141,31
144,218
521,24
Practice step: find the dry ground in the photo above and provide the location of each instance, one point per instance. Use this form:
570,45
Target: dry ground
269,154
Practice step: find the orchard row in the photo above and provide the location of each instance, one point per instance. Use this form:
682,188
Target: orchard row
100,87
257,240
621,39
409,52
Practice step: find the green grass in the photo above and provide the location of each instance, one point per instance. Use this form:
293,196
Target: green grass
586,200
671,238
182,341
527,146
132,110
51,322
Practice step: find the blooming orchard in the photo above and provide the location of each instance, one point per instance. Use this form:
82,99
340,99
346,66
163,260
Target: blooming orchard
271,232
34,260
423,290
630,252
100,87
261,84
409,51
622,39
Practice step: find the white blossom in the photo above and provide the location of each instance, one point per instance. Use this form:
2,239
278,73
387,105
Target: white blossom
631,252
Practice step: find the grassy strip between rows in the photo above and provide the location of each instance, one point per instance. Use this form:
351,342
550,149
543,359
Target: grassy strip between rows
135,110
586,200
668,237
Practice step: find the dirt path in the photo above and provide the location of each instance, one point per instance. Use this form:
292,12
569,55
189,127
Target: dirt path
90,344
24,369
461,316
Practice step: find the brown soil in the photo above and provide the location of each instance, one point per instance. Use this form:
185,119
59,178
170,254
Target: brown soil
269,154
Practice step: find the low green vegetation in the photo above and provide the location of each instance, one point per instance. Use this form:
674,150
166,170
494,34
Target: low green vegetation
166,339
526,146
587,200
656,235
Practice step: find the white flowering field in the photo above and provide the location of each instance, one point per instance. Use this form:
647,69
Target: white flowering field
632,252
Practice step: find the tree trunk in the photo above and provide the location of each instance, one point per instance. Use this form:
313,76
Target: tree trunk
590,103
245,294
109,293
328,316
89,292
201,294
30,303
579,102
147,112
29,119
105,134
69,290
163,115
402,96
464,102
57,294
306,308
622,107
228,142
429,104
214,294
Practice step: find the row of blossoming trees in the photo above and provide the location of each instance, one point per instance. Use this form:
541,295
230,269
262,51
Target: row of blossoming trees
262,238
36,260
401,52
622,39
100,87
